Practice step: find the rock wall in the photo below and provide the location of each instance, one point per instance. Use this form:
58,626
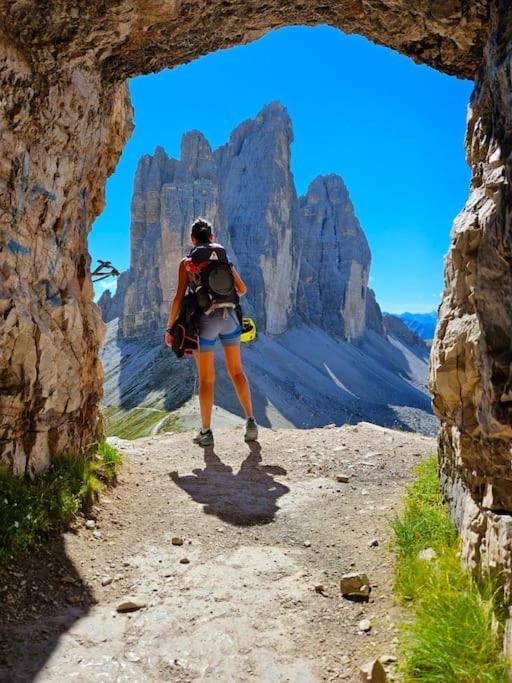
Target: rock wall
304,256
471,368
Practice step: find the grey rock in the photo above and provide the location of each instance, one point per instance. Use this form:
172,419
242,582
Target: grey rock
428,554
302,258
364,625
395,327
335,259
374,319
260,211
112,306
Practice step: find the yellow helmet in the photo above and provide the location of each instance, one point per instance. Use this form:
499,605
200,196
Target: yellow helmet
248,330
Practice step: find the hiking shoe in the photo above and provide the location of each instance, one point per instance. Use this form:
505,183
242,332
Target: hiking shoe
251,429
204,438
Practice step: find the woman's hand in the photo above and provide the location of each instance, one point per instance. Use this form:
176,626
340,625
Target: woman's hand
168,338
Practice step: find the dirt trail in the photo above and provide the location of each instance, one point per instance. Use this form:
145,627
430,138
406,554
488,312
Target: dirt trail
237,601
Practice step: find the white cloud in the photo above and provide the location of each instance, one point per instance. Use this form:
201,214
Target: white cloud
102,285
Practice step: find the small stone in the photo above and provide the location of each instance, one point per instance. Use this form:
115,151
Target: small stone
428,554
364,625
176,540
372,672
307,544
90,524
319,588
130,605
184,560
66,579
343,478
355,584
373,543
329,426
97,535
387,659
132,657
106,580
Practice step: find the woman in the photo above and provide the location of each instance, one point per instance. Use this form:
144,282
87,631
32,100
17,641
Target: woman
217,322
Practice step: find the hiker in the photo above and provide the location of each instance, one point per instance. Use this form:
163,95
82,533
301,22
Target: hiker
217,287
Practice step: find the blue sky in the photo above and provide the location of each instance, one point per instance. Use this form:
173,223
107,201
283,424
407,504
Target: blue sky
393,130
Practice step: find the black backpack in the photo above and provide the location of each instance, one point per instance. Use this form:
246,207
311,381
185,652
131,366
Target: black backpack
214,282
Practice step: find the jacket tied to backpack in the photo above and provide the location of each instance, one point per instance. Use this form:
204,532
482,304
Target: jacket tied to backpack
211,287
185,330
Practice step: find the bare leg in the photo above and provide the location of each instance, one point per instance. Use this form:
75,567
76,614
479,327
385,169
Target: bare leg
237,374
206,371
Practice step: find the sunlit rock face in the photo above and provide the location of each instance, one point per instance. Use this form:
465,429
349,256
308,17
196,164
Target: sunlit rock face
335,259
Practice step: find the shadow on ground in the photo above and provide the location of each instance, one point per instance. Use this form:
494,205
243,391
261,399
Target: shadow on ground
41,597
246,498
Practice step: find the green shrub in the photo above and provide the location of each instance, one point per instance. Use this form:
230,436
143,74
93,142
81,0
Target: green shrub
451,636
31,508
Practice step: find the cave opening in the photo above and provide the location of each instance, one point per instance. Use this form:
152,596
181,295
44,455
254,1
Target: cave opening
389,130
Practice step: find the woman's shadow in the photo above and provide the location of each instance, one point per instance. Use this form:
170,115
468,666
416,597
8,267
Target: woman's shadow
248,497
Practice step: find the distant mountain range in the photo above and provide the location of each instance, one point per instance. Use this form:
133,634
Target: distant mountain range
423,324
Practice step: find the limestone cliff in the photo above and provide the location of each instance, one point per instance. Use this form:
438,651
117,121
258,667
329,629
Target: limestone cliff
335,259
396,327
302,258
259,210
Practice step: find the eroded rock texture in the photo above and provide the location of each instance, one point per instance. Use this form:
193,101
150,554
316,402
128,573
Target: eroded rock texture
471,370
60,137
63,121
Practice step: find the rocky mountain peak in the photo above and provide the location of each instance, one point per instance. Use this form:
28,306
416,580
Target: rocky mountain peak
302,258
196,158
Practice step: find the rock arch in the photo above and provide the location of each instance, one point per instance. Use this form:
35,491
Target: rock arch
65,116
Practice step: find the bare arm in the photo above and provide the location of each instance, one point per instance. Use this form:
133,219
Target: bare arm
240,285
180,293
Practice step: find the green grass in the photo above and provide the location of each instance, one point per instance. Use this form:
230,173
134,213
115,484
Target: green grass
453,635
31,508
138,422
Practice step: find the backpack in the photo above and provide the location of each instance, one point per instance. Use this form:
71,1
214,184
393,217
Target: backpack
212,278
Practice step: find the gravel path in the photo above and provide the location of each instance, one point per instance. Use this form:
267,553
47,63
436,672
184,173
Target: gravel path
224,551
